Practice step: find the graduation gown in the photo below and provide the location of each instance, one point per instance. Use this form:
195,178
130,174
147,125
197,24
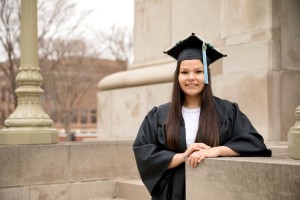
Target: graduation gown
153,156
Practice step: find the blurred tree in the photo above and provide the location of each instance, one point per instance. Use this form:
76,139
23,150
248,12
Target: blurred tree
67,78
9,48
117,43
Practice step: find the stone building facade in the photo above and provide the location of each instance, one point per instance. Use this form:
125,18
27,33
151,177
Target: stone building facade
261,72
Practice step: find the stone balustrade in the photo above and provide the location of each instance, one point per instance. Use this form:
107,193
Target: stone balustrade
92,170
67,171
276,177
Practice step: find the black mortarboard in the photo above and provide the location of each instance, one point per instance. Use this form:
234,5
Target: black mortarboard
193,47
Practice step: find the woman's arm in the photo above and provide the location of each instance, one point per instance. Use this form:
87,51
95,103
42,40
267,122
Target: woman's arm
177,160
226,151
197,156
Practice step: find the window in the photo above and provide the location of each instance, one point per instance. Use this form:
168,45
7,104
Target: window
93,116
74,116
83,116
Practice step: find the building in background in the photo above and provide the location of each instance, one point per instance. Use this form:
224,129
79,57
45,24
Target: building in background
69,98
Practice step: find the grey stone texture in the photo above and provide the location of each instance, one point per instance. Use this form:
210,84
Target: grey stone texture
15,193
244,178
66,162
133,190
65,171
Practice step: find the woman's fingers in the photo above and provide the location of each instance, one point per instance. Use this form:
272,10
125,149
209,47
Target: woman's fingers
203,146
201,158
191,149
190,159
194,153
195,158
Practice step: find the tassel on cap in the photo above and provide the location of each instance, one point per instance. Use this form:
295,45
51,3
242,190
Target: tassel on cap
204,47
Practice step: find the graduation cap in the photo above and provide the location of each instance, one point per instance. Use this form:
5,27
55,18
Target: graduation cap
194,47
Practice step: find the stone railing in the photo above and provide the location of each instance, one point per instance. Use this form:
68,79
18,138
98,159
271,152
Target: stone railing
275,177
75,171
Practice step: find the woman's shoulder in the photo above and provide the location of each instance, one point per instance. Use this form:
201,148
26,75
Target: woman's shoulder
223,103
160,112
224,107
164,107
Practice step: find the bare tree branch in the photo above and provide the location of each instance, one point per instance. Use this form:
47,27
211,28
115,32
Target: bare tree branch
117,43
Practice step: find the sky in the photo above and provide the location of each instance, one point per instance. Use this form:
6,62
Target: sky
105,13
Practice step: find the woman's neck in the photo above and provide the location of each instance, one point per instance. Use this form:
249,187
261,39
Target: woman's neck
192,102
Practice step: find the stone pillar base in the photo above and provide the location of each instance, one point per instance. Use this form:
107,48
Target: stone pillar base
34,135
294,137
294,145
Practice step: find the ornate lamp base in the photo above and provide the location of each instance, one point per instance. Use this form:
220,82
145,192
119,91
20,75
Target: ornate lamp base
30,135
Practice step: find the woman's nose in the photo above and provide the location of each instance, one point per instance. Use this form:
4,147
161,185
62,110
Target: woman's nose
191,76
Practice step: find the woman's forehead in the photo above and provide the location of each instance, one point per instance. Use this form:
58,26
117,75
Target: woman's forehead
191,63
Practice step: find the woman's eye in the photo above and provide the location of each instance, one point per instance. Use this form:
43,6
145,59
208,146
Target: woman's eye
199,72
183,72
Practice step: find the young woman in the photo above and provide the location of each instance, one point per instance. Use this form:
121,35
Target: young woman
195,125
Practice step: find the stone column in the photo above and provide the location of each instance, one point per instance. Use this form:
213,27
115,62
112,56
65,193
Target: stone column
294,137
28,124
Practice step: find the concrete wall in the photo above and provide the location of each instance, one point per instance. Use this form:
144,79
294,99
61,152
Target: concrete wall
290,61
123,110
152,29
66,171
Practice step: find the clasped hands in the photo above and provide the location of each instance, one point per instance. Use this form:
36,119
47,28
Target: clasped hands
197,152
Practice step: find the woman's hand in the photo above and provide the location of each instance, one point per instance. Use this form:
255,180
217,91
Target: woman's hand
180,157
195,147
197,156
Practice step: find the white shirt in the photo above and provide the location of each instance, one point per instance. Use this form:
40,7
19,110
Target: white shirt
191,121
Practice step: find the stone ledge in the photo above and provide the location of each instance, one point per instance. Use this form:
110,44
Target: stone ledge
161,73
23,165
105,189
276,177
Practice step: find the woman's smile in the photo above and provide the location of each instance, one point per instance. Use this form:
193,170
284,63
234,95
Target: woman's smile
192,85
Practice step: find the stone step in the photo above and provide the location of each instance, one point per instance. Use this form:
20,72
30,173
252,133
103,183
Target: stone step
133,189
278,147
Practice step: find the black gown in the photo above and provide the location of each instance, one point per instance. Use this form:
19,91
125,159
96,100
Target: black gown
153,157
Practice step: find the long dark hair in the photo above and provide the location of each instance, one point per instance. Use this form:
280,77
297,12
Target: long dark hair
208,131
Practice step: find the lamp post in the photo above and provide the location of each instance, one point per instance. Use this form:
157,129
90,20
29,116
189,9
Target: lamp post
28,124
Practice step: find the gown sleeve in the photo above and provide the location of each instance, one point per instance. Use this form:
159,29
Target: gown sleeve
244,139
151,158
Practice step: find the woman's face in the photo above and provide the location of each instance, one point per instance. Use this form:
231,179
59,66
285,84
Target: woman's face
191,77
